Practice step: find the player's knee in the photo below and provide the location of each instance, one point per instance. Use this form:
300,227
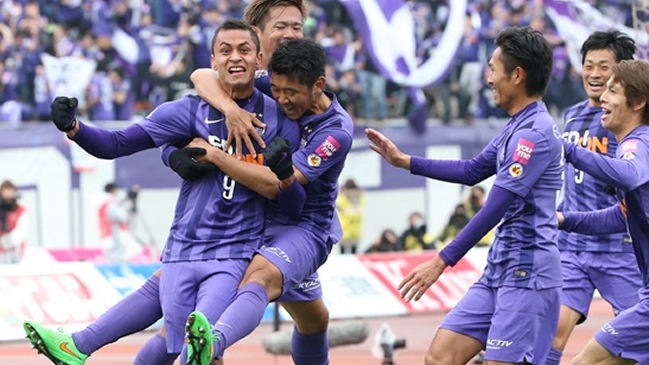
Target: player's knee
265,276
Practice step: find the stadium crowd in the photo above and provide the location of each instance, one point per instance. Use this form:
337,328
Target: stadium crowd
145,51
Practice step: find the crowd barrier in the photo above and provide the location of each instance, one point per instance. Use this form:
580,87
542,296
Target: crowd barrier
74,294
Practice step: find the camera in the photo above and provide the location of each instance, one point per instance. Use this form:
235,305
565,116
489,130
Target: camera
6,206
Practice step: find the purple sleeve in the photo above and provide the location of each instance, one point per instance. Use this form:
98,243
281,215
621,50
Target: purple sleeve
262,82
291,201
626,173
167,150
491,213
604,221
468,172
112,144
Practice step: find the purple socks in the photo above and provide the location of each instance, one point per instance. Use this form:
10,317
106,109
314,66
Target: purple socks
134,313
241,317
154,352
312,349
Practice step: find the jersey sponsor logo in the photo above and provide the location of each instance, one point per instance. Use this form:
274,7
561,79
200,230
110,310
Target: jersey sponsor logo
328,147
629,146
609,329
516,169
594,143
307,285
313,160
495,344
277,252
524,149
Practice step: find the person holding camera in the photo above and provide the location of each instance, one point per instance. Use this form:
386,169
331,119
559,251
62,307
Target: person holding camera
13,225
114,217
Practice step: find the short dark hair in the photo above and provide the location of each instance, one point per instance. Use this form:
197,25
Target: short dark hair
301,59
233,24
110,187
526,48
622,46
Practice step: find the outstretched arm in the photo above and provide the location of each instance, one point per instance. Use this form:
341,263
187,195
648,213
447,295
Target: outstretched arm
468,172
415,284
603,221
626,173
111,144
241,123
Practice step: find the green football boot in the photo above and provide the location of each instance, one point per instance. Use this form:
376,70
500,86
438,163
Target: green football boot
59,347
200,340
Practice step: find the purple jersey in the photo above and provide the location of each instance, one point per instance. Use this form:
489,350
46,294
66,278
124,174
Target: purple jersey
528,163
222,220
325,142
582,192
629,172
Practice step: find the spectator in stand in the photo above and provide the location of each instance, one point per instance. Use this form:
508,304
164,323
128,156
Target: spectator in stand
350,205
13,225
414,238
372,89
386,242
472,205
456,222
123,101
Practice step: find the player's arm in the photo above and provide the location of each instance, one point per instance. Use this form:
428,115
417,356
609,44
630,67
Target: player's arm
98,142
468,172
604,221
241,123
626,173
485,220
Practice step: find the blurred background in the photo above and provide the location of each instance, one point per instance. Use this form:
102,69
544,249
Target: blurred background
412,69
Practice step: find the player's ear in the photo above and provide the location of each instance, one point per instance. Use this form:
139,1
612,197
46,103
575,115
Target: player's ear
213,63
640,105
260,57
320,84
519,75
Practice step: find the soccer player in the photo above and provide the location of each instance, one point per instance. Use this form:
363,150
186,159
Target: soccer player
294,248
625,105
602,262
218,224
513,309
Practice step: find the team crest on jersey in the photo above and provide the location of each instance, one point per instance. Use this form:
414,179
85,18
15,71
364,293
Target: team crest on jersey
516,169
523,152
628,155
313,160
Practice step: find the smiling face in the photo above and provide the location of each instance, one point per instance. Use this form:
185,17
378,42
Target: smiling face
294,97
283,22
235,56
597,69
616,110
501,82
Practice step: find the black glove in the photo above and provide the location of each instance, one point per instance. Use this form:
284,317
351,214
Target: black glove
278,157
182,161
62,111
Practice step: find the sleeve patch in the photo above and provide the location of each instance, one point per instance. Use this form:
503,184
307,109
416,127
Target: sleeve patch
328,147
630,146
313,160
516,170
524,149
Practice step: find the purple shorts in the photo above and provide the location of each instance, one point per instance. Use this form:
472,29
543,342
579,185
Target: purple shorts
514,324
297,253
615,275
627,334
207,286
